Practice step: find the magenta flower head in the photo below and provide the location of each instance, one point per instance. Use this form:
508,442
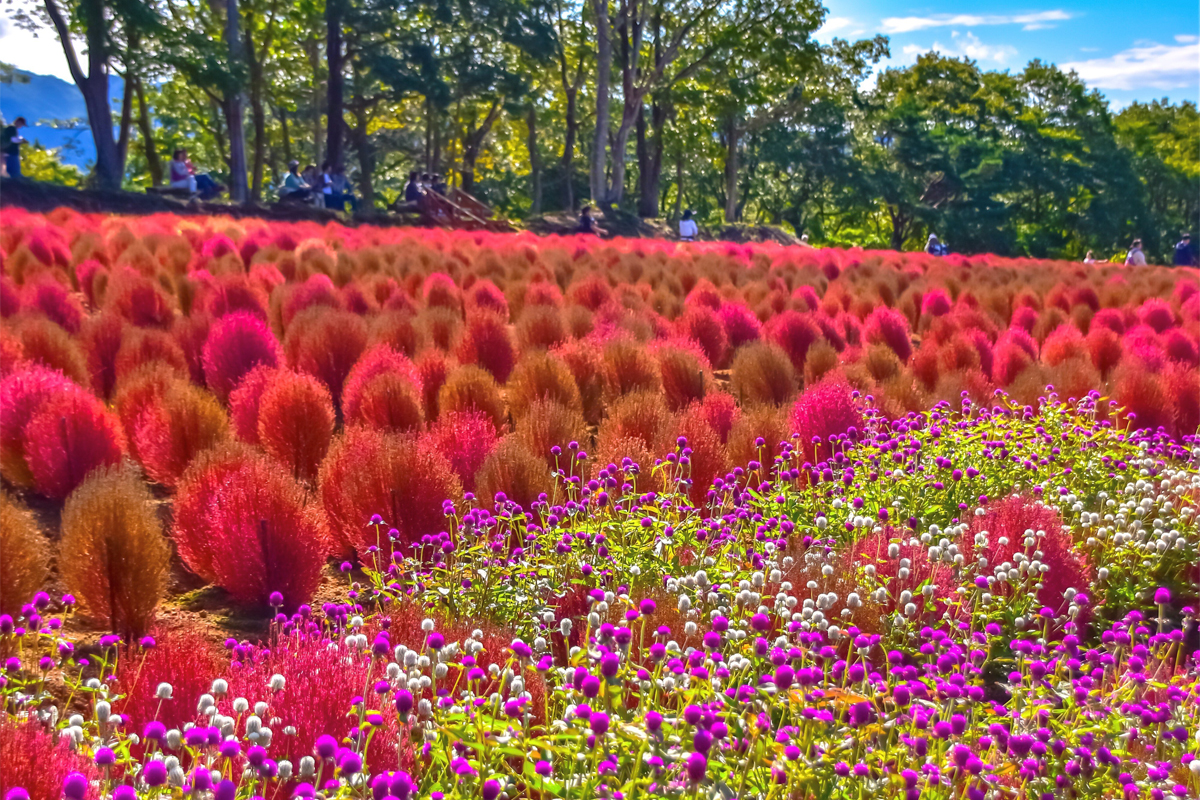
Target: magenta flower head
276,599
491,789
326,745
697,767
104,757
304,790
404,701
436,641
229,749
648,607
155,730
16,793
75,786
226,790
351,764
147,643
1162,596
124,793
154,773
543,768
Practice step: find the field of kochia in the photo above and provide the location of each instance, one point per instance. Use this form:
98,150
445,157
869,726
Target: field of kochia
499,516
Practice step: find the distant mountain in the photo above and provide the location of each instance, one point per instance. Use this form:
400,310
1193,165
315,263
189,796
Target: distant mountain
47,98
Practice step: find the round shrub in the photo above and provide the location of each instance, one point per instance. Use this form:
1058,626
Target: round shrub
114,557
541,326
488,343
236,344
441,327
548,424
824,410
244,402
469,388
485,296
465,438
630,367
47,344
398,330
327,344
433,367
702,325
540,375
24,554
397,476
174,426
587,366
141,346
22,393
702,458
48,297
684,378
440,291
720,410
639,415
242,523
768,423
888,326
740,324
762,373
66,438
295,423
513,471
383,390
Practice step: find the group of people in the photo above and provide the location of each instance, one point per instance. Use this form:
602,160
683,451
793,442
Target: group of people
183,175
419,192
1183,255
328,188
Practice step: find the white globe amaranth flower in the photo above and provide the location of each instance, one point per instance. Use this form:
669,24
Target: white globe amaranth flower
164,691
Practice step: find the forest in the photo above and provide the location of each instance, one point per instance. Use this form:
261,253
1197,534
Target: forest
638,107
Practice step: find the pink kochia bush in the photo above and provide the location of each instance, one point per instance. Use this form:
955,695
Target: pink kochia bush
465,438
888,326
237,343
243,523
54,433
383,391
824,410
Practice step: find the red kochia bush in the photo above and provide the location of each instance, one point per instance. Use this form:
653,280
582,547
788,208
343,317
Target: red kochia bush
440,290
485,296
242,523
488,343
1009,519
720,410
22,394
173,427
383,390
465,438
51,299
740,324
295,423
1154,312
326,344
68,437
888,326
244,402
397,476
826,409
101,337
794,333
701,324
237,343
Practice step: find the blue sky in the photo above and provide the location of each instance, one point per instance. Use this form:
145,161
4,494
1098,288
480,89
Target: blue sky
1130,51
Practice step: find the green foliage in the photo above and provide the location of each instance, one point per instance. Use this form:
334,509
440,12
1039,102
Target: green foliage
43,164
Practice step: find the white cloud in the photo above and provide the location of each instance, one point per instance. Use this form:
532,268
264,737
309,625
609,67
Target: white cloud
835,24
1145,66
966,45
1035,21
41,54
1185,38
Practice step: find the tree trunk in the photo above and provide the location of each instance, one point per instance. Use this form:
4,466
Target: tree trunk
333,55
535,161
153,163
362,144
473,143
603,76
287,138
237,137
126,120
731,170
568,156
93,85
642,150
652,170
679,184
257,112
314,60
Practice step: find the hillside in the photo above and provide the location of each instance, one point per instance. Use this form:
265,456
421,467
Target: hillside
47,98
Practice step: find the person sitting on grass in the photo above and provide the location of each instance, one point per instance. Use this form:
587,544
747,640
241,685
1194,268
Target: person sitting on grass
688,230
341,193
587,224
184,176
295,188
10,143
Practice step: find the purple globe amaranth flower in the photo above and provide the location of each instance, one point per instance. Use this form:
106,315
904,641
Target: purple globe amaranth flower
1162,596
491,790
697,767
326,745
154,773
404,703
436,641
351,764
124,792
226,790
75,786
104,757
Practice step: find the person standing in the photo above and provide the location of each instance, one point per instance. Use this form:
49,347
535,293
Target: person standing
10,142
1135,257
688,230
1184,257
